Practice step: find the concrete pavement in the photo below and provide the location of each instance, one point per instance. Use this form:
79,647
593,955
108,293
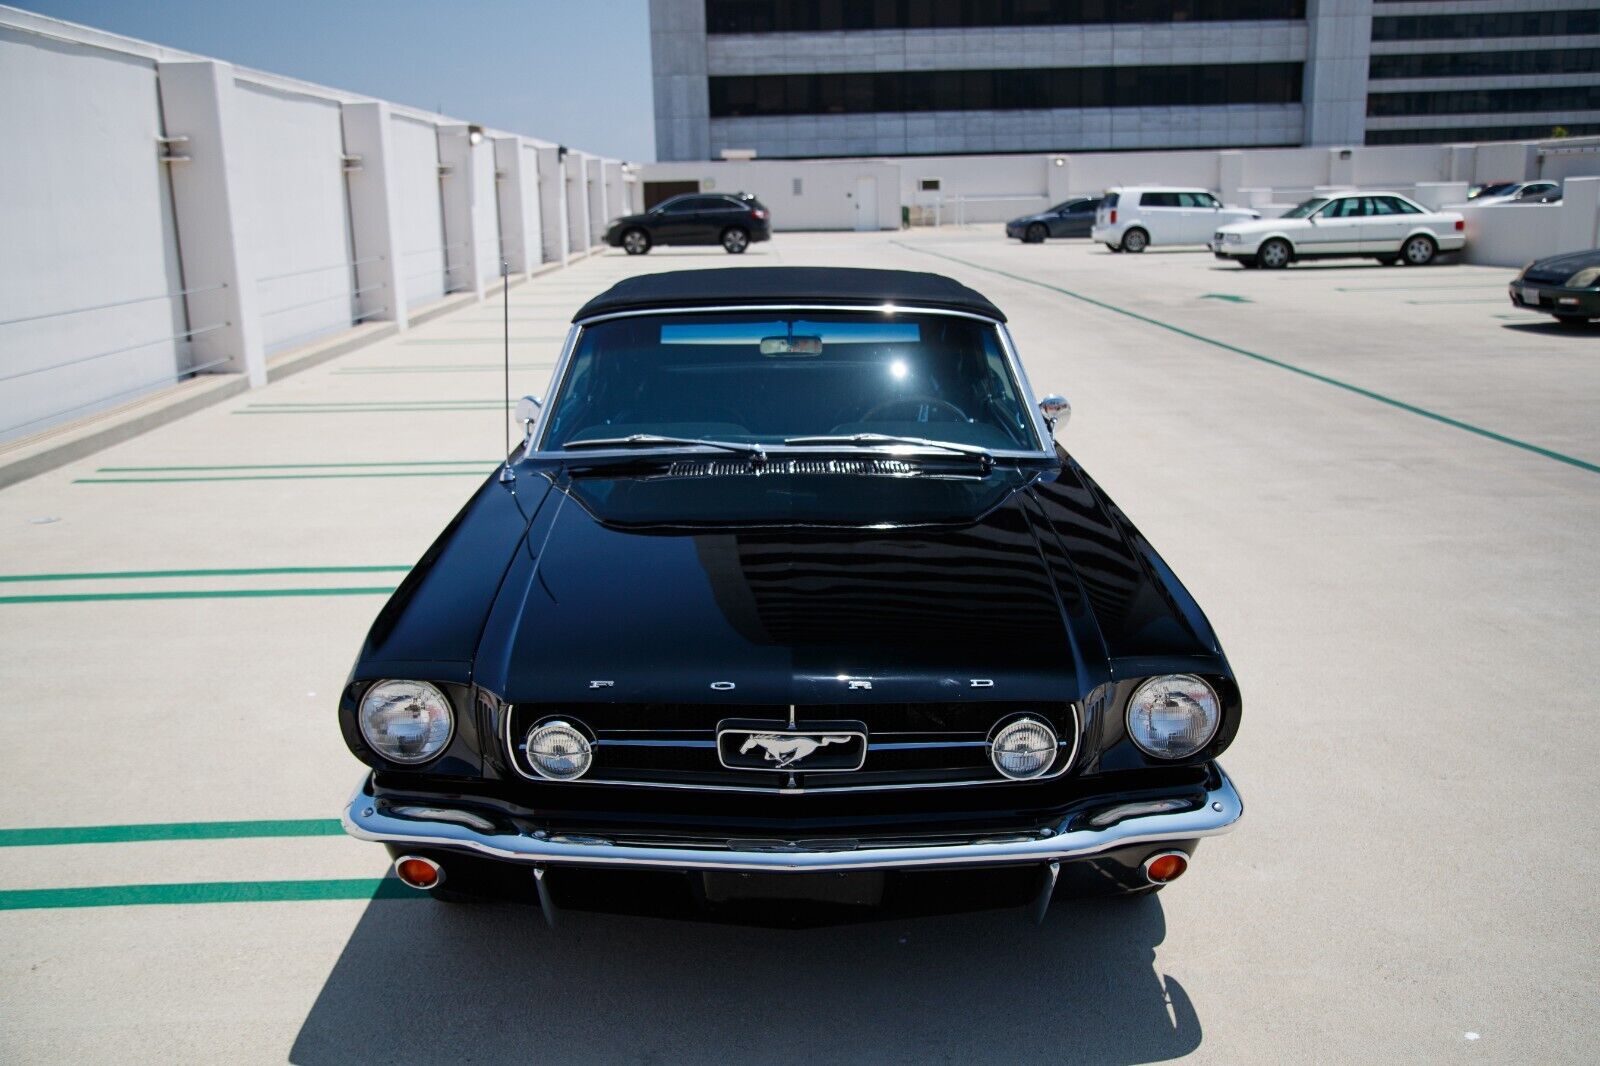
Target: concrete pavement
1382,484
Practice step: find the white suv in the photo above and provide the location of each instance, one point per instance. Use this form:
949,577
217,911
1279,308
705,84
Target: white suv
1131,219
1384,226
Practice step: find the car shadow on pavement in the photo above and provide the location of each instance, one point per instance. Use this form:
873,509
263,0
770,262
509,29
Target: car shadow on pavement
420,981
1552,328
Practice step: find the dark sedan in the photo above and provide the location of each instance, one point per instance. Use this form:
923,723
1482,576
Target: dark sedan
790,594
734,220
1567,286
1069,218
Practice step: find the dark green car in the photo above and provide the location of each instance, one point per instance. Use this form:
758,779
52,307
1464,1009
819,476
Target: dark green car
1567,286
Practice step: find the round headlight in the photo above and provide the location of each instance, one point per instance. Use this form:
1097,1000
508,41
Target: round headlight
406,721
1023,749
1173,717
559,751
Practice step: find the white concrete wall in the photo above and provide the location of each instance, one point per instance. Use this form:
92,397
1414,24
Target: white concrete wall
84,221
825,199
421,238
1512,234
295,213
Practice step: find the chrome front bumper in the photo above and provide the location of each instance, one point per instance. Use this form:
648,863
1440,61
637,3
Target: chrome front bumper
368,819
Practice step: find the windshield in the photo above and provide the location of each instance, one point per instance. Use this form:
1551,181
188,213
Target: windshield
1305,209
766,377
1493,190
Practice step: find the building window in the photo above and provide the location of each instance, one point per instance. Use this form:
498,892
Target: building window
1486,101
1483,64
826,16
1463,134
1005,90
928,185
796,187
1485,24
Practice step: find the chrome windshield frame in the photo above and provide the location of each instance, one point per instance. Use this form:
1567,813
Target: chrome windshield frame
534,449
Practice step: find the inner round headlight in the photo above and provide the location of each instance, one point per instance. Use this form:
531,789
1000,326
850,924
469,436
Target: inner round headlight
559,751
1023,749
1174,716
406,721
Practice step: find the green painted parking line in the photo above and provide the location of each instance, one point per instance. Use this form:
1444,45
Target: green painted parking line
246,571
197,594
1462,300
273,477
1226,296
132,834
206,892
290,466
1421,288
1390,401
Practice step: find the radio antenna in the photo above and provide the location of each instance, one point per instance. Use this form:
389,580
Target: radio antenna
506,473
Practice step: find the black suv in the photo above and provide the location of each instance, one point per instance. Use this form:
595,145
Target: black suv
731,219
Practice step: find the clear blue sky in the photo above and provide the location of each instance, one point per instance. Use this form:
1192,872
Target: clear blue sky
572,71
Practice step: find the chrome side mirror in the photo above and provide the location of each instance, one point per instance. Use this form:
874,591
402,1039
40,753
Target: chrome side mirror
1056,411
528,413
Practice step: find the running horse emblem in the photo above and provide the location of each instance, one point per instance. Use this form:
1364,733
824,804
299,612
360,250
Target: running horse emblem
787,749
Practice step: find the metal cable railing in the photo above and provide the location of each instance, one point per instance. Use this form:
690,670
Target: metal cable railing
323,269
167,379
185,335
287,342
349,295
118,303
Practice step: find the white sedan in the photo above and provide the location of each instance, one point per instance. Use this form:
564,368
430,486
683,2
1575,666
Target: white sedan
1384,226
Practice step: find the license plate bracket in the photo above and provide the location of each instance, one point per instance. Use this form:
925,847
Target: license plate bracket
855,888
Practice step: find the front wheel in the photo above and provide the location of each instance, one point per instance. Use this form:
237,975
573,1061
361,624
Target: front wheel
1388,260
1114,247
1572,321
1135,240
1275,254
735,240
1036,234
636,242
1248,262
1419,250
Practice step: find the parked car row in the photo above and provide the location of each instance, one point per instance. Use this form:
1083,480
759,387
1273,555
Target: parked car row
1384,226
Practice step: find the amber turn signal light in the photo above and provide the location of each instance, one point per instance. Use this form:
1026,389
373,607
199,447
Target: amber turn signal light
418,872
1165,866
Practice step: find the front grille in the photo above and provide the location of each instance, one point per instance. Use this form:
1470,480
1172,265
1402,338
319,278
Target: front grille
908,744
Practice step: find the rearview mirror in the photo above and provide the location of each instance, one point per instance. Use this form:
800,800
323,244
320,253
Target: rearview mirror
793,345
1056,411
528,413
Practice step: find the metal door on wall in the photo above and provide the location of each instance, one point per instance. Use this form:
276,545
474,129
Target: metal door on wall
866,205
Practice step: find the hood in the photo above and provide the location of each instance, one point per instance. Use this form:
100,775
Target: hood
1023,220
628,220
1570,262
594,611
1259,225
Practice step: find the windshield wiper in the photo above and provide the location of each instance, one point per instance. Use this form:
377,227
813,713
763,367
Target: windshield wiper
873,440
756,452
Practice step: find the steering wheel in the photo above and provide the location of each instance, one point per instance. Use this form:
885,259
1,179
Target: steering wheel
917,401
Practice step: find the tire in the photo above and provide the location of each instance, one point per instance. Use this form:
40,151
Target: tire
1572,321
636,242
1036,234
1419,250
1275,254
1249,262
1387,260
1114,247
1135,240
735,240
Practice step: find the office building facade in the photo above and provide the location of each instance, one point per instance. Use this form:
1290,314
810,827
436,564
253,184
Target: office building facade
825,78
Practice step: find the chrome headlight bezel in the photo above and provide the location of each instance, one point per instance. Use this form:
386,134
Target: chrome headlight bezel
572,729
1017,725
434,747
1147,690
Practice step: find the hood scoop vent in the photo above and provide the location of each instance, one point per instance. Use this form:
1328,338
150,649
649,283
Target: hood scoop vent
729,468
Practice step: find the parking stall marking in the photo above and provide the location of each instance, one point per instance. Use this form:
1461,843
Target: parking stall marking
51,836
1390,401
354,888
267,591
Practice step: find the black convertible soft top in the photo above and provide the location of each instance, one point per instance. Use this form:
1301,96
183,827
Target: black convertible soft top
844,286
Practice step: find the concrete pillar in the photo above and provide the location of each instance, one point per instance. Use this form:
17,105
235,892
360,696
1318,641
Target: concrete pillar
519,235
1341,167
596,171
553,203
470,240
577,203
1463,157
197,103
374,212
1334,92
616,191
1437,194
1580,215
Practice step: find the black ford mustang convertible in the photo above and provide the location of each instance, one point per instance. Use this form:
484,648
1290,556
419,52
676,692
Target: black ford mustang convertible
790,594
